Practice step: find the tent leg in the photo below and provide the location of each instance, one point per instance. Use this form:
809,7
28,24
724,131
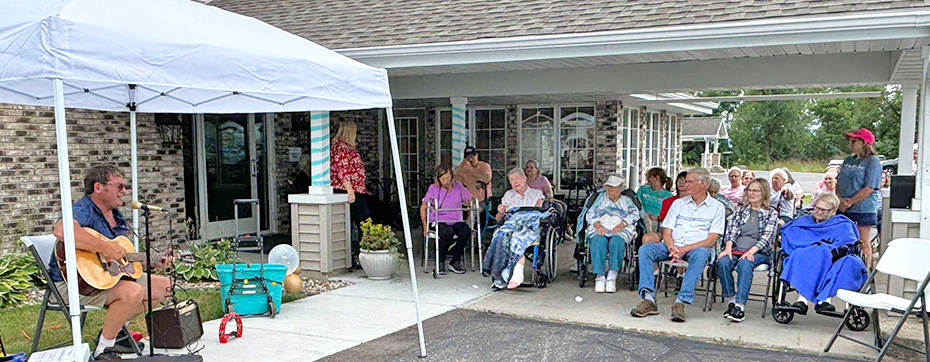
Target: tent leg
401,194
134,165
64,184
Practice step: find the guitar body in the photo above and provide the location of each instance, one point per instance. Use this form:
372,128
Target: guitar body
95,274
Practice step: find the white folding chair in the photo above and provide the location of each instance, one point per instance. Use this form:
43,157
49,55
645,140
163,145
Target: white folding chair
904,258
42,247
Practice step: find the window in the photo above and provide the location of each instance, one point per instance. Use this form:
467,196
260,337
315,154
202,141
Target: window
576,144
633,147
656,139
537,135
408,143
490,140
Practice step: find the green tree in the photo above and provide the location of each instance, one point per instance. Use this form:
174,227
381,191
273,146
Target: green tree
767,131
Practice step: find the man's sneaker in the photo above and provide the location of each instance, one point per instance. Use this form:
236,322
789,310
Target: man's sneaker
645,308
729,310
456,267
611,286
599,285
678,312
123,343
108,355
737,314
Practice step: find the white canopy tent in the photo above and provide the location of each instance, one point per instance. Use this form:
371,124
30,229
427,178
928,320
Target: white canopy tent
172,56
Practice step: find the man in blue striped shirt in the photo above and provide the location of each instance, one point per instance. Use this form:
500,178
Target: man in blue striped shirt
689,231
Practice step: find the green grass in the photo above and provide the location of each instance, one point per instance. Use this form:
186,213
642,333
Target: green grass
793,165
15,321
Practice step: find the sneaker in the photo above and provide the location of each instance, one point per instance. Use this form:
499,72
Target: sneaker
729,310
456,267
108,355
599,285
498,285
802,306
123,343
611,286
645,308
442,269
737,314
678,312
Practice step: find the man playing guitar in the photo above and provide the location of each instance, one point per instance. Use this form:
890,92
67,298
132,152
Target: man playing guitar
104,188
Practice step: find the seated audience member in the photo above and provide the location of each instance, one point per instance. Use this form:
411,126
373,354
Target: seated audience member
656,189
714,190
535,180
520,195
828,183
690,229
734,191
781,197
747,177
812,243
611,223
449,194
820,184
655,237
795,188
747,244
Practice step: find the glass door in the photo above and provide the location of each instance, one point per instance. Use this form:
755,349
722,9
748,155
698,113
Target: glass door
233,166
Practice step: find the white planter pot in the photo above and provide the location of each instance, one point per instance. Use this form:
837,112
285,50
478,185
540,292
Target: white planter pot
378,264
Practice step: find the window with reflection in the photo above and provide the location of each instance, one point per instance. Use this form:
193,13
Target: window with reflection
491,144
577,127
537,139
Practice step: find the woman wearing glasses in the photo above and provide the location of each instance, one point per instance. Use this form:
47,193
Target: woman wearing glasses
747,244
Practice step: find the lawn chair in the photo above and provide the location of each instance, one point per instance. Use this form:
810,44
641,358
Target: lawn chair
41,248
905,258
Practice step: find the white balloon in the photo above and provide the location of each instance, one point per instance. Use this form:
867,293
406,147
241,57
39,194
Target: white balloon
285,255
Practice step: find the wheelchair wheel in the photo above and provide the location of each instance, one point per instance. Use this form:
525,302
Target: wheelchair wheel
634,276
582,273
858,319
552,263
782,316
540,279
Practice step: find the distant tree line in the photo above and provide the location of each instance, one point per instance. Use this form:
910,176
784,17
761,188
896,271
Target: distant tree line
807,130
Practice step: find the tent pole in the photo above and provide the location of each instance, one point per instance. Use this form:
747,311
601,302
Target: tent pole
399,178
134,163
64,184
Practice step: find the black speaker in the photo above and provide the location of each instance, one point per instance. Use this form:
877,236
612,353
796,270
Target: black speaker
902,191
176,326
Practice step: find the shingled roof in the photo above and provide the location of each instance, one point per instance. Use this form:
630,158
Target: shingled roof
703,127
366,23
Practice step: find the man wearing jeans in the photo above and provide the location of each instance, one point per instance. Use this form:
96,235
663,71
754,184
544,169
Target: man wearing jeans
690,229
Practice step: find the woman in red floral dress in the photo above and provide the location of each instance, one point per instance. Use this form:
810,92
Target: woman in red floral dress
347,175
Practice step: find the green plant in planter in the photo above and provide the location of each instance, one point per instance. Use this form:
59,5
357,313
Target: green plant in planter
18,274
206,257
378,237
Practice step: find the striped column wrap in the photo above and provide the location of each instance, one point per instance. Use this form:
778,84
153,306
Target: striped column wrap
459,133
319,148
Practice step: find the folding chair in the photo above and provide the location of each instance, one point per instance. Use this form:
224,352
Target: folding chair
707,286
41,248
433,234
905,258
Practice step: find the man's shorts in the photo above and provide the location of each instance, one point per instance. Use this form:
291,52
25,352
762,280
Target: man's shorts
863,219
98,300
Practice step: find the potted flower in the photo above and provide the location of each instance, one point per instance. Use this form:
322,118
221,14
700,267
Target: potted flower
378,254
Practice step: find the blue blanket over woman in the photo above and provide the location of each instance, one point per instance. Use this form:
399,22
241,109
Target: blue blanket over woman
810,246
519,231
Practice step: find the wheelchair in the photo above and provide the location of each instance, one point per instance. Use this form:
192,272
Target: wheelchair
630,268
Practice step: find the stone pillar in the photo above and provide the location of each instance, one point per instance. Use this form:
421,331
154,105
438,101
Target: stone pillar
908,126
459,132
319,154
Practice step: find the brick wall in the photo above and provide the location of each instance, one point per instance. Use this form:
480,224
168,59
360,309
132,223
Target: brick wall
29,197
605,157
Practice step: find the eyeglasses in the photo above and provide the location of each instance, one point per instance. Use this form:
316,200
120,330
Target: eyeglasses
118,186
822,210
754,191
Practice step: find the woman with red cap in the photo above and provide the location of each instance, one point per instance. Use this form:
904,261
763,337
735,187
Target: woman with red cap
859,177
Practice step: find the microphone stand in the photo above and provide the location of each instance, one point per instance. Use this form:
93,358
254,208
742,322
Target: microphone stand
148,279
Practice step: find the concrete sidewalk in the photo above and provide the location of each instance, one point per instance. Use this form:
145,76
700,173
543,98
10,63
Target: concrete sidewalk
318,326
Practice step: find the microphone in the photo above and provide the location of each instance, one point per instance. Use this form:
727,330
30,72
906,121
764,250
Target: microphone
136,205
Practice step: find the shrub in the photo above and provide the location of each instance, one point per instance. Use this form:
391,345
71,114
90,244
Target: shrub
18,274
378,237
206,257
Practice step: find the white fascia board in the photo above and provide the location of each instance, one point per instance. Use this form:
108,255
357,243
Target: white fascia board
736,34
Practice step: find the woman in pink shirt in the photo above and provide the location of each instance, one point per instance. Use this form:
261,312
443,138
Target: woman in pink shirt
448,194
536,181
734,192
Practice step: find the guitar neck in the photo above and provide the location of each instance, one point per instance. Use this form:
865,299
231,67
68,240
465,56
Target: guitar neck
140,257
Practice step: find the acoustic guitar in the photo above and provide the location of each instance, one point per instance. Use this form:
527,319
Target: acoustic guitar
96,273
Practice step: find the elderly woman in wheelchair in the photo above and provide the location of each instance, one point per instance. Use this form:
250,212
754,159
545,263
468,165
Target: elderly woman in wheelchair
819,255
505,258
611,221
747,244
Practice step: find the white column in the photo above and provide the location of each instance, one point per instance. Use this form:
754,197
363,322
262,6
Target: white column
908,125
319,154
459,133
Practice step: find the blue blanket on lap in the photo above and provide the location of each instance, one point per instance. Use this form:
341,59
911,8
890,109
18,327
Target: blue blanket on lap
809,267
519,231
